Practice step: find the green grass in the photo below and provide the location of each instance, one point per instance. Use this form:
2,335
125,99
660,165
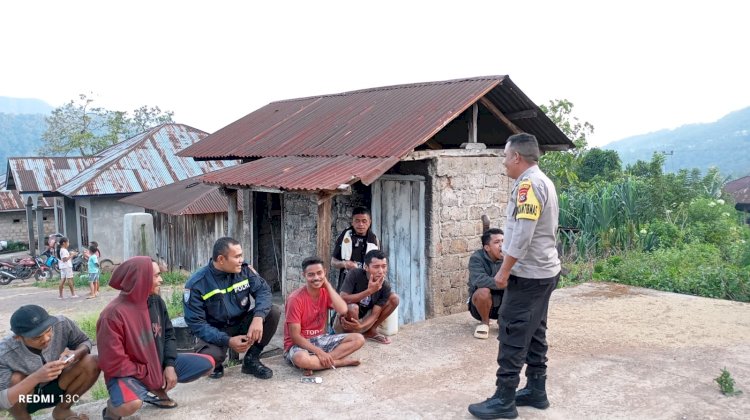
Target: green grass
174,303
695,269
87,324
99,390
79,280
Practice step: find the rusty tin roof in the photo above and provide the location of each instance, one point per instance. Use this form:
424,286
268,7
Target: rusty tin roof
307,173
142,163
12,200
739,189
190,196
379,122
43,174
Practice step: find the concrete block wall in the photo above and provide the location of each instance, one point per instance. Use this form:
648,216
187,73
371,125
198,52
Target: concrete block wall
10,230
462,190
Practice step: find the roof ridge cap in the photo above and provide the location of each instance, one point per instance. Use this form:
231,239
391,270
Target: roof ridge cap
394,87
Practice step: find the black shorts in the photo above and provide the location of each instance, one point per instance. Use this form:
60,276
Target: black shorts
494,311
49,395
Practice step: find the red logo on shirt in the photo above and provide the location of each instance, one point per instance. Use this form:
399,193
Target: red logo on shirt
522,193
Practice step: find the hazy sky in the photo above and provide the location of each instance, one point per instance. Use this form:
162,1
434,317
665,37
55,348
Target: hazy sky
629,67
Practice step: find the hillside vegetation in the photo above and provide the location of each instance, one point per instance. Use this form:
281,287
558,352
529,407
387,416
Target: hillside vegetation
724,144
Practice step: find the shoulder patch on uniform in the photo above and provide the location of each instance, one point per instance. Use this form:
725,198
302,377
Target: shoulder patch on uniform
186,295
527,205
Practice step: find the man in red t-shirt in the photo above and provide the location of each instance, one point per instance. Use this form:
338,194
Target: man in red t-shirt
306,345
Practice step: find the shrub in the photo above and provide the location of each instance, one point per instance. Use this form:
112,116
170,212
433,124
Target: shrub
174,303
173,277
696,269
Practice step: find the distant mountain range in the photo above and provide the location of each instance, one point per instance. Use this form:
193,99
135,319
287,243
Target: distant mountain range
724,144
23,106
21,126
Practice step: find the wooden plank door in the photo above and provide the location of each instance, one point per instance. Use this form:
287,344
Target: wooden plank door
398,214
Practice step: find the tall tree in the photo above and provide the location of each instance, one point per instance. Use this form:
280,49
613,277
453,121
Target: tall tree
82,128
562,167
601,164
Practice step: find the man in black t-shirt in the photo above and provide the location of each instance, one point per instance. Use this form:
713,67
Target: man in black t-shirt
353,243
369,298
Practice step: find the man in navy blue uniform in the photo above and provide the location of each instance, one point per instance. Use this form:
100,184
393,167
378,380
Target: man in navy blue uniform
228,305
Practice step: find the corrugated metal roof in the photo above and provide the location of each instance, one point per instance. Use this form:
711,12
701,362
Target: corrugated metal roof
12,201
43,174
739,189
380,122
190,196
302,172
142,163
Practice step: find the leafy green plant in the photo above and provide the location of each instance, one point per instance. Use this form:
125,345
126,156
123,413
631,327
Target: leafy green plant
15,246
173,277
87,324
99,390
81,281
174,303
726,383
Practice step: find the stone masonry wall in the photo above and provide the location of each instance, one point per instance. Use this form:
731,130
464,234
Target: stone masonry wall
341,217
463,189
300,241
19,231
301,228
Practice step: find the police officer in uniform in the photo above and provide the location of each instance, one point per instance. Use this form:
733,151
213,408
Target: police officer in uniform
228,305
529,274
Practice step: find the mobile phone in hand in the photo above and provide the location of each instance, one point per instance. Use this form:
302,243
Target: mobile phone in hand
68,358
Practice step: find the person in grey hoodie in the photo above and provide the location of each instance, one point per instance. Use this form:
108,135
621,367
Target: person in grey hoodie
45,363
484,296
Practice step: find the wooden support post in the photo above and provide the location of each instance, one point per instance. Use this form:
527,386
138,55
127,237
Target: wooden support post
473,123
30,226
324,228
39,209
232,216
248,223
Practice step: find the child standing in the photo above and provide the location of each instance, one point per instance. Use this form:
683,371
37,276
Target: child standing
93,272
66,268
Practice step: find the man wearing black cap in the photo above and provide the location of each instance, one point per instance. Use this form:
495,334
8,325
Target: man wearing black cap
45,363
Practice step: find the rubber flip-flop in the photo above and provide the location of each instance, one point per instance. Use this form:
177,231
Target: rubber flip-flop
380,338
482,331
161,403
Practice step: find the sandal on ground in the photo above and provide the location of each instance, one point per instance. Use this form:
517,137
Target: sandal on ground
106,417
161,403
482,331
380,338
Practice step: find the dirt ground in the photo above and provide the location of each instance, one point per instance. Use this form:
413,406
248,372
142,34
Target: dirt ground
616,352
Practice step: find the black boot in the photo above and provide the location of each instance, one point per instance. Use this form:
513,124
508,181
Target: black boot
502,405
251,365
534,394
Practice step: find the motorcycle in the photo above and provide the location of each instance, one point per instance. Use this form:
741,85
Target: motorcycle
24,268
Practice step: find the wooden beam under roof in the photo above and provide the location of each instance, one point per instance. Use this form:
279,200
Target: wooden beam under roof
497,113
520,115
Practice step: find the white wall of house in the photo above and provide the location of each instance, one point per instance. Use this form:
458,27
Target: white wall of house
105,224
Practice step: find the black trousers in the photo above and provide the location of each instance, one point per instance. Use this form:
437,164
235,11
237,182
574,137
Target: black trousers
523,328
219,353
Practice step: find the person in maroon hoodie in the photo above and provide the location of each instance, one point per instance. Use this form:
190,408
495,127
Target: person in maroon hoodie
136,343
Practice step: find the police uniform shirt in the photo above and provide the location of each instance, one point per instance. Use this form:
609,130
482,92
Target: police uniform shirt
531,226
